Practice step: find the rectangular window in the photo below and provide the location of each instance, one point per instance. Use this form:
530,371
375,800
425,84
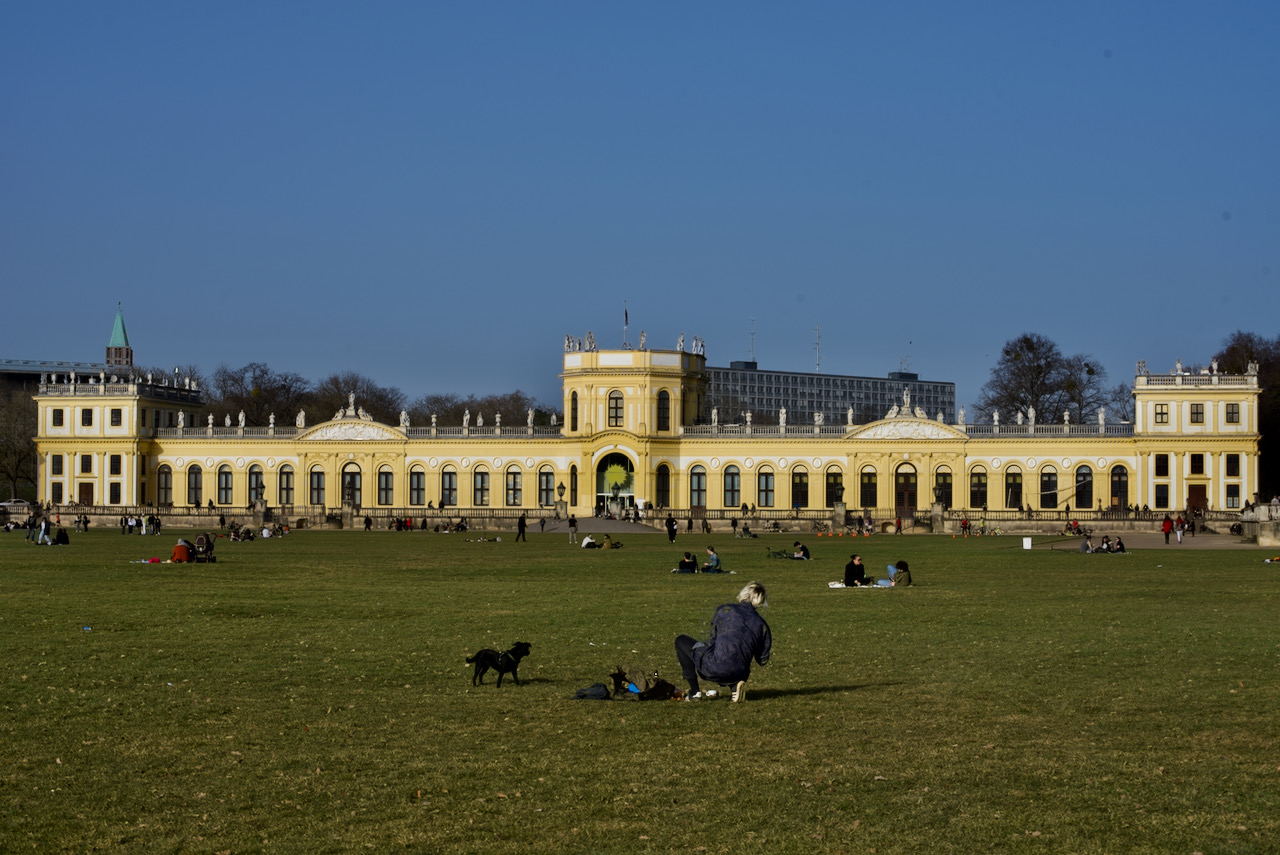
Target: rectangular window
286,485
1197,414
1162,466
113,491
58,418
615,409
978,490
480,488
386,487
317,487
55,464
1233,495
224,486
1162,496
1233,414
86,417
1197,464
417,487
1233,465
448,489
764,489
113,463
546,488
799,490
86,464
117,417
515,489
55,492
1162,414
664,411
867,487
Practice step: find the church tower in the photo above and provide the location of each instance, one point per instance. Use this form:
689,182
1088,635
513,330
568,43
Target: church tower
119,353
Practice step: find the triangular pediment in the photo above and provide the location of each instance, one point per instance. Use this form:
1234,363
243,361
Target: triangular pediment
908,428
353,430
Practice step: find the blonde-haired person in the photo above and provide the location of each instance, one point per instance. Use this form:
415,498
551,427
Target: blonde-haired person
738,635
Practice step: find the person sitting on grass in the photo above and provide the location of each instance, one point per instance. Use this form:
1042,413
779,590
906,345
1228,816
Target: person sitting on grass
686,565
182,551
900,575
738,635
712,564
855,575
1118,546
801,551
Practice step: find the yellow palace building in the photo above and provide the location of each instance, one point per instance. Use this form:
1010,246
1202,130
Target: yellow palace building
634,436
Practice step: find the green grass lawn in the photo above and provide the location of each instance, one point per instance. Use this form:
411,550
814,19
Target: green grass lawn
309,694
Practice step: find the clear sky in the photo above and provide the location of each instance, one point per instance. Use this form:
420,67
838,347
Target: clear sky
435,194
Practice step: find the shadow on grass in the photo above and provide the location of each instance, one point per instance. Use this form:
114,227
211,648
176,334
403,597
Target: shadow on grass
764,694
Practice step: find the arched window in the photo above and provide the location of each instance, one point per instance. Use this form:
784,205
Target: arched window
978,488
1084,488
662,486
942,484
698,487
868,488
417,486
315,486
285,480
1013,487
664,410
257,487
835,486
164,485
386,486
573,486
480,487
224,484
1048,488
615,408
765,488
800,488
449,488
573,411
905,493
1119,488
732,487
515,487
546,487
352,484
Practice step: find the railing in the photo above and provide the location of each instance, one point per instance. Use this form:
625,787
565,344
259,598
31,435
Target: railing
1196,380
1015,431
148,391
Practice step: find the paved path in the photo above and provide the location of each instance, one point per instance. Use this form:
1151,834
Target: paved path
1150,540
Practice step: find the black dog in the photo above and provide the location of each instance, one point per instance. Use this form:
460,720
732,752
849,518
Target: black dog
503,663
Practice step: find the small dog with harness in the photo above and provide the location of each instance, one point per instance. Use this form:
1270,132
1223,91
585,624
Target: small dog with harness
506,662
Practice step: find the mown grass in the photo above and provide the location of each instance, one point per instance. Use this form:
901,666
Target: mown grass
309,694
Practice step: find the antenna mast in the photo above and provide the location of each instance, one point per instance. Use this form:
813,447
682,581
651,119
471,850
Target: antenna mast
905,363
817,348
752,352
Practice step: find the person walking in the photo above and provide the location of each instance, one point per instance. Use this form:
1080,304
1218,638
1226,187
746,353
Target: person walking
573,529
671,528
522,525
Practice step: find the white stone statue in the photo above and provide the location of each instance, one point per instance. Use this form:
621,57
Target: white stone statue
211,420
351,403
1066,417
893,412
715,416
364,416
782,417
748,417
433,421
240,418
1214,366
680,343
642,339
848,416
228,420
906,399
819,418
340,414
404,419
182,419
497,420
301,420
591,345
528,418
1177,367
1142,367
920,413
553,420
1031,415
271,420
1102,416
479,420
466,418
960,417
995,418
939,416
1019,416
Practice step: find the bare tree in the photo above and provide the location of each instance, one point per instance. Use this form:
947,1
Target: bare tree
1240,350
17,440
258,391
384,403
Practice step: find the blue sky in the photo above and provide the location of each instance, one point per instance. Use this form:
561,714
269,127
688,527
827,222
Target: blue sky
435,194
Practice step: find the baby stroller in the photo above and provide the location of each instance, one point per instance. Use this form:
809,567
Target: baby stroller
204,550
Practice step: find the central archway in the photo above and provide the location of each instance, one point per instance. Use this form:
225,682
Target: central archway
615,485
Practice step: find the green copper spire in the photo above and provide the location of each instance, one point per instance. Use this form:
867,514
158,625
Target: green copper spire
119,338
